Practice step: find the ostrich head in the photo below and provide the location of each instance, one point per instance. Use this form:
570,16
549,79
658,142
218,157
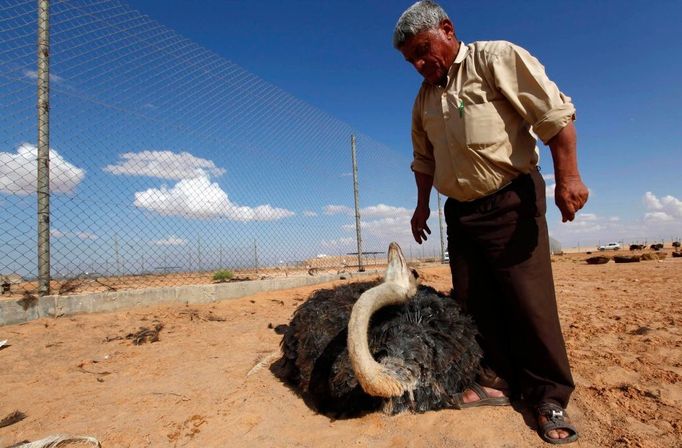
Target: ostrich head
399,286
398,273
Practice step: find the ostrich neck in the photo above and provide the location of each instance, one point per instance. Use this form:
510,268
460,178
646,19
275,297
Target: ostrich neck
374,378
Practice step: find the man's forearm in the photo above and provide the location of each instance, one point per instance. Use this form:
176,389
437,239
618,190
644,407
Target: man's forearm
424,184
564,154
570,193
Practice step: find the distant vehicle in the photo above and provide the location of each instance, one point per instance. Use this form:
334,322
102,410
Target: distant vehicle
610,246
446,257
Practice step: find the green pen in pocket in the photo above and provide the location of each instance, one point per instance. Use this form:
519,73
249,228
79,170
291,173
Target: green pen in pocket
461,108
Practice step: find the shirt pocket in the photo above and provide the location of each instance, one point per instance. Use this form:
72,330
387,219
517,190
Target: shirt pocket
483,125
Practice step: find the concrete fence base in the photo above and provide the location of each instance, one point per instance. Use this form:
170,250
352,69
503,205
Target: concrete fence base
12,312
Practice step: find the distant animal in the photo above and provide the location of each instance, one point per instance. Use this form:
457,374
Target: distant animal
676,244
637,246
392,346
598,260
657,246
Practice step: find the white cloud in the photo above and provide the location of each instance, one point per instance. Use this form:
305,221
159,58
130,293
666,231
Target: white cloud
163,165
339,243
667,208
658,217
201,198
549,190
170,241
309,213
651,202
583,224
384,211
55,233
550,185
393,224
373,211
85,235
18,172
338,210
32,74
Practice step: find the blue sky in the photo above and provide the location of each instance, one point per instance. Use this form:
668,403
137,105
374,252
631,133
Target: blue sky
207,128
619,61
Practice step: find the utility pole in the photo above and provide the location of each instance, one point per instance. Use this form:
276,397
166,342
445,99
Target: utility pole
198,253
43,174
117,254
358,236
255,254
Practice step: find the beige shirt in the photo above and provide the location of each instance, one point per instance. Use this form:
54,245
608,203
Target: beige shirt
474,136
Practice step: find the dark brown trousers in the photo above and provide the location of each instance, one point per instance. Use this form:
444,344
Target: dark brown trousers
502,274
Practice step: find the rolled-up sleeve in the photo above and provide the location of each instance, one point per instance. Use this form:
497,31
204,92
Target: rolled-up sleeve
523,81
423,161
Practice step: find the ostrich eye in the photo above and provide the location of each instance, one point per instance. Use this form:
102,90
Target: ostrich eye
415,274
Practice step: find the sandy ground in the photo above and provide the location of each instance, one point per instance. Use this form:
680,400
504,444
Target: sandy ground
201,384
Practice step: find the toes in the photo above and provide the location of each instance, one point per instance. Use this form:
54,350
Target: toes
557,434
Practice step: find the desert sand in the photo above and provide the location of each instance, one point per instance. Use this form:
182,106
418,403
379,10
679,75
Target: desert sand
206,382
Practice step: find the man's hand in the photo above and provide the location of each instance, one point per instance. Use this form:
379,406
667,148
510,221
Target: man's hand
419,226
570,195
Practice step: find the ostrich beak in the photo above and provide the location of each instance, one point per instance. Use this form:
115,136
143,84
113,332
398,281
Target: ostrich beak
397,270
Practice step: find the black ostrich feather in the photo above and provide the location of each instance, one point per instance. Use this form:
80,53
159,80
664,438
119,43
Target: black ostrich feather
428,339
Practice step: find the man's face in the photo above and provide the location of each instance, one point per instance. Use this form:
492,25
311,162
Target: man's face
432,52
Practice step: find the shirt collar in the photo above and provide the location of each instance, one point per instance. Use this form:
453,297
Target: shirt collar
461,53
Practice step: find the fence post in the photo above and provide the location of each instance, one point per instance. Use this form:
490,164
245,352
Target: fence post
43,156
358,238
255,254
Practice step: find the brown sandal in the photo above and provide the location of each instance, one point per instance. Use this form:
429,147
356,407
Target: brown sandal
556,419
484,399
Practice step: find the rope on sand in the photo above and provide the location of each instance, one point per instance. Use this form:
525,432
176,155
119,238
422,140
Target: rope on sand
266,361
59,442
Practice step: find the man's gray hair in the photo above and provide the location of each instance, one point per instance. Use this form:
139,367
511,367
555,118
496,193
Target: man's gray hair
423,15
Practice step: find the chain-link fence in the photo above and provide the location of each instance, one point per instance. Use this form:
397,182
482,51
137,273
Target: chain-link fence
169,163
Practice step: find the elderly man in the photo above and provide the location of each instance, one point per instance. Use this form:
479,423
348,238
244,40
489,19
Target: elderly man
474,127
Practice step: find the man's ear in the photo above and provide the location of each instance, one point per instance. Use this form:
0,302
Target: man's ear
448,28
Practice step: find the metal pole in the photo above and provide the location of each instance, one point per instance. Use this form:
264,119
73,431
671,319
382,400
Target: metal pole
358,238
255,254
440,226
43,179
118,255
198,253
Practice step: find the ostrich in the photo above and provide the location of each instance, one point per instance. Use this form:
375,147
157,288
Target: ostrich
392,346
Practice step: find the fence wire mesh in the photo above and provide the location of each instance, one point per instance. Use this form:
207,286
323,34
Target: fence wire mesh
169,163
